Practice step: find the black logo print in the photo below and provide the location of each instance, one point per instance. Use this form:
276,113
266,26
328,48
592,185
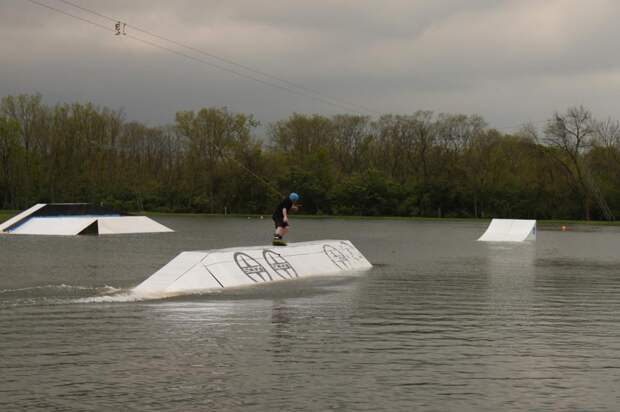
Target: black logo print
349,251
251,267
281,266
337,257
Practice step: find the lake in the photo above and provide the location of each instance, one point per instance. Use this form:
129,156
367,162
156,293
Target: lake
441,323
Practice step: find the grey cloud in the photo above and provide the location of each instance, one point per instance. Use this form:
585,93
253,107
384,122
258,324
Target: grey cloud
510,61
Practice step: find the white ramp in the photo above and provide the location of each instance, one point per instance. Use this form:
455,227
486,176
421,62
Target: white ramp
509,230
77,219
224,268
23,215
57,225
129,224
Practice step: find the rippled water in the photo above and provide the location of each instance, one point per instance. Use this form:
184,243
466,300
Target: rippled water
441,323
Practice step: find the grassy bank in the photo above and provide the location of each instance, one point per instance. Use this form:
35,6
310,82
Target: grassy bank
6,214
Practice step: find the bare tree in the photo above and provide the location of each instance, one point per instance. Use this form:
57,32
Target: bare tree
607,134
572,133
528,132
456,130
350,136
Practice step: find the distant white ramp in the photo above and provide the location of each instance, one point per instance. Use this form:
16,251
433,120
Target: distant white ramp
224,268
23,215
77,219
54,225
509,230
129,224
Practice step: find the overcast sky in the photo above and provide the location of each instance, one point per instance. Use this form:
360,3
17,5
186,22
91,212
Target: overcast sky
509,61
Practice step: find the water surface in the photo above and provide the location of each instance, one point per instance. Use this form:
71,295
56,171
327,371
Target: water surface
441,323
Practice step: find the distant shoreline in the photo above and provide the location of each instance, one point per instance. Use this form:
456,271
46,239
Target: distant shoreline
6,214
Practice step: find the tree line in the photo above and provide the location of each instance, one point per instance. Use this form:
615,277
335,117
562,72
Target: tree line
211,160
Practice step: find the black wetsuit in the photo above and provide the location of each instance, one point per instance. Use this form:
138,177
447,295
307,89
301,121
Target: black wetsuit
278,216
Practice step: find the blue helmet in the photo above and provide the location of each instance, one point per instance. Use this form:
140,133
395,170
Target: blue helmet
293,196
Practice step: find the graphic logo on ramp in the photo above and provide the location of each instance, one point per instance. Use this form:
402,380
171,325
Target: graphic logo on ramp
281,266
337,257
251,267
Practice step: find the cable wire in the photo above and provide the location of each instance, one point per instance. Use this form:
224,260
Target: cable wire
301,90
342,104
261,179
101,26
258,177
197,59
222,59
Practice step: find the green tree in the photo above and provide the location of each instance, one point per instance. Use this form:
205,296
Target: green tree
11,162
214,135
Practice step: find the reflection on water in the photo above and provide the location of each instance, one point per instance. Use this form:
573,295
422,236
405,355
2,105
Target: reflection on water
510,274
441,323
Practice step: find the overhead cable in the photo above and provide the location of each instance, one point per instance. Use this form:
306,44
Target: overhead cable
287,86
